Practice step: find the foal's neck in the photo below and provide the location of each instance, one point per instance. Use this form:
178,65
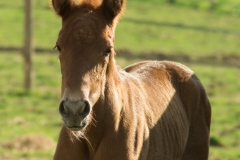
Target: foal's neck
107,110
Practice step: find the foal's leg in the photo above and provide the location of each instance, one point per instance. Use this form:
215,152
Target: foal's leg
198,141
68,149
199,111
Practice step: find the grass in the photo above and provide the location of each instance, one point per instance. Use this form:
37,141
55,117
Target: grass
36,112
229,7
181,29
171,29
28,112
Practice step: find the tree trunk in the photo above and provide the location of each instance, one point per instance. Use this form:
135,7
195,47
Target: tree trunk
28,46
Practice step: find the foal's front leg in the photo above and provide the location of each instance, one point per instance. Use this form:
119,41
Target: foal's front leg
68,148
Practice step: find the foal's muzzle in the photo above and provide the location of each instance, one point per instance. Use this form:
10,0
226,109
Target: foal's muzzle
74,113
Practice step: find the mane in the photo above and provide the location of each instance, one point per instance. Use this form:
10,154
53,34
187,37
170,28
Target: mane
92,3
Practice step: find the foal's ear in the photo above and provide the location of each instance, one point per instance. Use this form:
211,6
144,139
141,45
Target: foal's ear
113,8
62,7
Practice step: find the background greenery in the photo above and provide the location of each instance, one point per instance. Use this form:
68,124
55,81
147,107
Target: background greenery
188,31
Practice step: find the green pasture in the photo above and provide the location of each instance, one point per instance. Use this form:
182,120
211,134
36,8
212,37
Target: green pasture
147,26
206,41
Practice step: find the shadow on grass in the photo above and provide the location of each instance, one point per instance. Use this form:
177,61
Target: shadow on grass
20,93
214,142
182,26
214,59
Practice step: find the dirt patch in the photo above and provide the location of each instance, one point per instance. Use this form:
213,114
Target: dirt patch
7,157
30,142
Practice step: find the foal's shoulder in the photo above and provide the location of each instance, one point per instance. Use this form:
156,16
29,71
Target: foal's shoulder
136,66
172,68
181,71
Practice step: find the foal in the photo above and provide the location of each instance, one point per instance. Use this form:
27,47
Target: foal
152,110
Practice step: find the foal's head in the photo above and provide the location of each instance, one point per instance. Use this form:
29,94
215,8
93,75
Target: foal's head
85,44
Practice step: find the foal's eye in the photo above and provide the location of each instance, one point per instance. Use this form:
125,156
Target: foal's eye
108,51
58,48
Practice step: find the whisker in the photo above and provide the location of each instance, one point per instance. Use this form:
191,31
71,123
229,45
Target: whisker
93,121
88,141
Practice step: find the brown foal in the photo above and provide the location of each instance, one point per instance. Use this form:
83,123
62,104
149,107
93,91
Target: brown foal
152,110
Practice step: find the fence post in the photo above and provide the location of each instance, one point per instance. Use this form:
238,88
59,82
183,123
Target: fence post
171,1
213,4
28,45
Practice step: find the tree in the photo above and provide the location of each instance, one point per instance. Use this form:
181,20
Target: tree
28,45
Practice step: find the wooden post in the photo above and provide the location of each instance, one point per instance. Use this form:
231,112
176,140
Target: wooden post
213,4
28,45
171,1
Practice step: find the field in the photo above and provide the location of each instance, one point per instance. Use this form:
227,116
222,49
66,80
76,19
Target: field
207,42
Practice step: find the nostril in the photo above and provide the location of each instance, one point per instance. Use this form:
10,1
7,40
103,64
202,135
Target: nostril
86,110
62,109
